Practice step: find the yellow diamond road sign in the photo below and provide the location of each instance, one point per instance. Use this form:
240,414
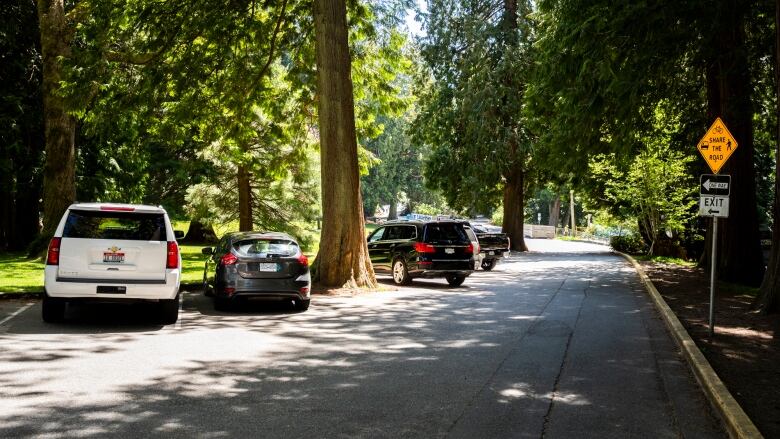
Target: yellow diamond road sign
717,145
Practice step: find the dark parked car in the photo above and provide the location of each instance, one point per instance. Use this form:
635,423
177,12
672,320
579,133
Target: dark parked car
412,249
493,246
257,265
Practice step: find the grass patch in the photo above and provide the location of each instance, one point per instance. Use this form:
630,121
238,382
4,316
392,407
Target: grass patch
18,274
737,289
665,260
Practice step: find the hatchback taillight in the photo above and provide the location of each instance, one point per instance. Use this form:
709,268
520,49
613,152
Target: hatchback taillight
53,256
421,247
303,260
228,259
172,261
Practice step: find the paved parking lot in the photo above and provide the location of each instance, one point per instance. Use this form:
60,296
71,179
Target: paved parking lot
561,342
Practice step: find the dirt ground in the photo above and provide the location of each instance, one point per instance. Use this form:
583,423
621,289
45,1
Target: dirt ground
744,352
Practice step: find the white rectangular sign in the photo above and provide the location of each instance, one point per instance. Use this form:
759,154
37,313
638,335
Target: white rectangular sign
713,205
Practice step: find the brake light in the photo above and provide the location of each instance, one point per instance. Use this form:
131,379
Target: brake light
172,261
303,260
421,247
117,208
470,248
228,259
53,255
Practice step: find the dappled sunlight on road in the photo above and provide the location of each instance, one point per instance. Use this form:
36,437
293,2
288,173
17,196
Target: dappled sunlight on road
423,361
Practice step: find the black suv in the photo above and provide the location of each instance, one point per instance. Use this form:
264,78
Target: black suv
411,249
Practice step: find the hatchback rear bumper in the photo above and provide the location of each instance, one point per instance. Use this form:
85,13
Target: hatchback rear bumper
271,289
86,289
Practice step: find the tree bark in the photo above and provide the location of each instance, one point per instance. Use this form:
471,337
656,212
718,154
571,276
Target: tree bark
768,299
555,211
343,258
729,96
245,220
59,174
199,232
514,204
393,211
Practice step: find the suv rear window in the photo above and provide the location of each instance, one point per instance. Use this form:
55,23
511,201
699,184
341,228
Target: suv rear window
264,248
445,233
130,226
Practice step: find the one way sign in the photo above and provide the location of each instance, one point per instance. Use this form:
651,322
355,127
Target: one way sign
712,184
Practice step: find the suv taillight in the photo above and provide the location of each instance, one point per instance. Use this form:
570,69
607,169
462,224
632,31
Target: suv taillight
228,259
53,256
470,248
303,260
172,261
421,247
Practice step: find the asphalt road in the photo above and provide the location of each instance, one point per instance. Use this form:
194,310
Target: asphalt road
561,342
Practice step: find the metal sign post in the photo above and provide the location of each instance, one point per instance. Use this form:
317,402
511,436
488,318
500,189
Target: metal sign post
716,147
713,263
714,192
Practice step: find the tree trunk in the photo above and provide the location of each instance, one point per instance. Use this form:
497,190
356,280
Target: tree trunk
729,96
555,211
245,220
343,259
514,203
199,232
393,212
768,299
59,182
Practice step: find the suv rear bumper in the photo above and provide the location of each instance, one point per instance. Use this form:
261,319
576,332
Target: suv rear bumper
79,288
440,273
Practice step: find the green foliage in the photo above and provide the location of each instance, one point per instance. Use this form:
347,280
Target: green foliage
21,119
471,99
656,187
630,244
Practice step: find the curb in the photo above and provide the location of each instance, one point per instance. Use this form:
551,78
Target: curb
738,424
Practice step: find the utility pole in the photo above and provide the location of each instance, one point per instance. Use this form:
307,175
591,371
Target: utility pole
571,207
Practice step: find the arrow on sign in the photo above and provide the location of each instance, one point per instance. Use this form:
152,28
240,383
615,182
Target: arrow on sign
713,211
709,185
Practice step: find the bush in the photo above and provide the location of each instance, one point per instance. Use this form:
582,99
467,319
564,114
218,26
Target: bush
631,244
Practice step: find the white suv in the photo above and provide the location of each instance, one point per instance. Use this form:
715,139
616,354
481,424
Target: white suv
113,252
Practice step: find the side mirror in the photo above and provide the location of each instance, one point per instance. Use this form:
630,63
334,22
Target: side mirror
178,234
207,251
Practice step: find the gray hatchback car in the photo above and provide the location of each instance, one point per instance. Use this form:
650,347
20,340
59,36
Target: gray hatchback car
257,265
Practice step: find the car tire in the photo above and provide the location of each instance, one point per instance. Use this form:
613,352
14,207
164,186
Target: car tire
455,280
302,305
489,264
206,289
52,310
401,273
169,311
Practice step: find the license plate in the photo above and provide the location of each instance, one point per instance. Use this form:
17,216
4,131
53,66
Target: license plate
491,253
265,266
111,290
113,257
449,251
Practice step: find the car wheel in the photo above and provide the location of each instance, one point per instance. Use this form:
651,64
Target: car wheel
455,280
489,264
206,290
169,311
400,273
302,305
52,310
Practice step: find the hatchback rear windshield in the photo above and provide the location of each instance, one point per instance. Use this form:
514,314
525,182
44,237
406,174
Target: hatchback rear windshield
130,226
265,248
445,233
